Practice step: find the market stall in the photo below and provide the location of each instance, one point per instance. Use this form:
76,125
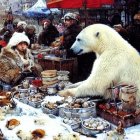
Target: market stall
51,58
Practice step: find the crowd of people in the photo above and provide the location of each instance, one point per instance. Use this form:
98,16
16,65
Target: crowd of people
16,40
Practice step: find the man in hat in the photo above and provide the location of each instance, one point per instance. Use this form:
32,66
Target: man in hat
71,22
49,33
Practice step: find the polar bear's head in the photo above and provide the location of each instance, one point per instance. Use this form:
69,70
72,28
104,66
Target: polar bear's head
94,38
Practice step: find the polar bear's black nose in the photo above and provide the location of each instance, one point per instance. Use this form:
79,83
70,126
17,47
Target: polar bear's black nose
71,49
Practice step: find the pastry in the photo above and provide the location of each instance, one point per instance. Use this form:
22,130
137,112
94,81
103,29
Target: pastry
49,73
38,133
11,124
50,82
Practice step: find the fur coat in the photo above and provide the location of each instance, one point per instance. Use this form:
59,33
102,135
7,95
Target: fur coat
9,66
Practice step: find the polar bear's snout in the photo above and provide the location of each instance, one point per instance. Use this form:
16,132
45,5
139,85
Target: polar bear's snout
76,50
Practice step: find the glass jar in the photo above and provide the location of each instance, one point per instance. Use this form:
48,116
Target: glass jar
128,98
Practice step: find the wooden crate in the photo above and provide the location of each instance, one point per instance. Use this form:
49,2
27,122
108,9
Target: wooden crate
128,119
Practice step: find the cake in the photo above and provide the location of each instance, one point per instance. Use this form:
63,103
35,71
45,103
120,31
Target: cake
49,77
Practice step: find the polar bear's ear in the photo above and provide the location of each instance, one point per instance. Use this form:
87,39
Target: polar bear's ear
97,34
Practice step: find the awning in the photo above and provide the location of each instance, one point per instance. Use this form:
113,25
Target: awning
77,3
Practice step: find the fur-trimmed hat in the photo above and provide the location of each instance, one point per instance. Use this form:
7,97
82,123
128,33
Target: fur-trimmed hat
17,38
22,23
70,16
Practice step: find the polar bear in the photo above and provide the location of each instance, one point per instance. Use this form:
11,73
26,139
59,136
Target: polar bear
117,61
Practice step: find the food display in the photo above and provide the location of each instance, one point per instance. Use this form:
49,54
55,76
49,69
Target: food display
26,122
77,114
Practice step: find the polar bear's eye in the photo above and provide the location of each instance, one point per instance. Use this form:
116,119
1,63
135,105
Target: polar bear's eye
74,135
78,39
97,34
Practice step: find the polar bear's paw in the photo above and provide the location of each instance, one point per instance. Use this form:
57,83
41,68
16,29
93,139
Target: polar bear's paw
67,92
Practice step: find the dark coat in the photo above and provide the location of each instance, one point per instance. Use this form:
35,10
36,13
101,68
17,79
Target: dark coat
134,36
69,38
48,35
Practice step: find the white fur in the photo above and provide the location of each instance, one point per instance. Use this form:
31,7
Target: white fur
117,61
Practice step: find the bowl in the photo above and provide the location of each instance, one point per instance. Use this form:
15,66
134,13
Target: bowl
82,113
18,96
92,126
36,104
74,123
35,100
62,73
23,90
54,111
